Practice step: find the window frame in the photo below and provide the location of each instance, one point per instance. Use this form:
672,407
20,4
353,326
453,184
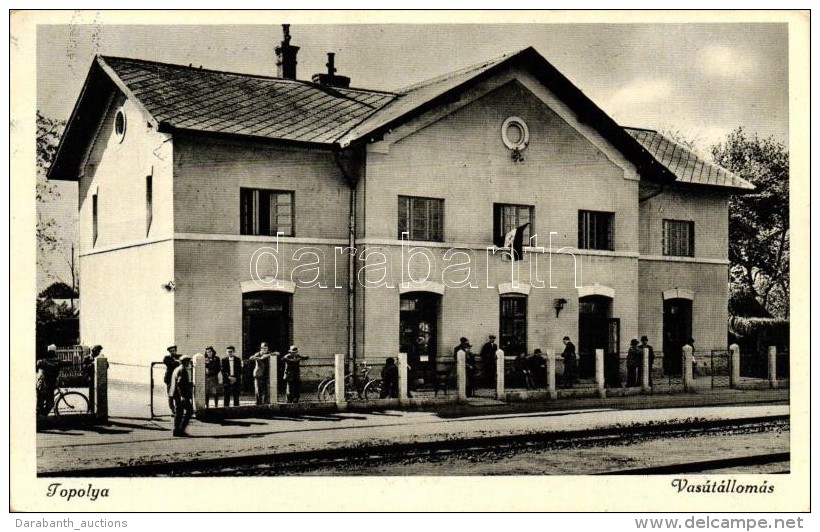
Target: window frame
499,231
408,213
584,223
253,217
665,240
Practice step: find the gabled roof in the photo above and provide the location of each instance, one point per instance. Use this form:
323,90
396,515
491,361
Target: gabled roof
179,98
684,163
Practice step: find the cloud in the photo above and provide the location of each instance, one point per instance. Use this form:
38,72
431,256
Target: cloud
726,62
638,96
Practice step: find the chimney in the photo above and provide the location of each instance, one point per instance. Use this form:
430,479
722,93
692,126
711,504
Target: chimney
331,78
286,56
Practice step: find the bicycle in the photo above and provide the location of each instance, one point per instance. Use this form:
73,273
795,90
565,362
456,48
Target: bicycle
357,385
71,402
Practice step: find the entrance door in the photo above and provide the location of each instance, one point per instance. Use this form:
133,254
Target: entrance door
593,331
266,317
677,329
418,330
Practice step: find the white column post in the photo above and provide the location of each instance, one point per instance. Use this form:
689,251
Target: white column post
403,378
688,359
273,380
553,393
199,383
734,376
599,372
773,366
500,392
100,385
461,375
339,376
645,369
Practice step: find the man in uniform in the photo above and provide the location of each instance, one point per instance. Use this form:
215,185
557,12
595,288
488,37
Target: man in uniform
171,361
181,393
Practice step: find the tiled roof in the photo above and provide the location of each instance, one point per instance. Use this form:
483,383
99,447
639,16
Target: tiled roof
684,163
222,102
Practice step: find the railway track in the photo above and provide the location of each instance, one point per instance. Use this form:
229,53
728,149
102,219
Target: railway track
351,458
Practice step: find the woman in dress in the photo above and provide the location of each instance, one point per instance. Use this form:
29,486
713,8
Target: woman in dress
212,373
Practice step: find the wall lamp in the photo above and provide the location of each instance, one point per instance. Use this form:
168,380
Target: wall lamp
558,305
170,286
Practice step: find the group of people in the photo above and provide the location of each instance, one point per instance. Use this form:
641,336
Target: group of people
223,376
634,362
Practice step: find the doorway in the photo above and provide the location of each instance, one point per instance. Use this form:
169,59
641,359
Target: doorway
598,330
418,331
677,329
266,317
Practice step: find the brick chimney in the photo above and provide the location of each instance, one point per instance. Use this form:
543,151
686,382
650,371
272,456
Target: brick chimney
286,56
330,78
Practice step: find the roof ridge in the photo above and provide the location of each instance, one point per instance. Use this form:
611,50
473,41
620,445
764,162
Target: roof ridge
239,74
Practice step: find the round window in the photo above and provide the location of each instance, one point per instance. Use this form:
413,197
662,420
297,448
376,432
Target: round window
515,133
119,125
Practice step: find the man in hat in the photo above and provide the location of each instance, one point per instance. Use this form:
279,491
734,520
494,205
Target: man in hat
293,377
488,360
260,373
570,363
89,370
48,371
469,358
181,392
171,361
645,345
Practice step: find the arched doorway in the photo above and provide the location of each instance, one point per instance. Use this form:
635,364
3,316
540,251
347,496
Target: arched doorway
677,329
419,314
597,329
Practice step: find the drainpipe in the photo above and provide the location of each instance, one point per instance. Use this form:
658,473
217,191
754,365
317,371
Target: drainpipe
344,160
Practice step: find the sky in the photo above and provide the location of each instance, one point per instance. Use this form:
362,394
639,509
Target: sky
702,80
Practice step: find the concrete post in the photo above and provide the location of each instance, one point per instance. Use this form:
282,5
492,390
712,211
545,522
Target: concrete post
645,369
199,382
688,377
599,372
553,393
403,378
734,376
273,380
339,376
100,399
773,366
500,392
461,375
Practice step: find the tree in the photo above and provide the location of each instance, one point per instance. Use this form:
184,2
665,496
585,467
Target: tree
48,138
759,221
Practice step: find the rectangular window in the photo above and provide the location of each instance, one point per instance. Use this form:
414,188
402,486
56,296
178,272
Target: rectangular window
509,217
678,238
595,230
266,212
94,220
149,203
513,326
422,218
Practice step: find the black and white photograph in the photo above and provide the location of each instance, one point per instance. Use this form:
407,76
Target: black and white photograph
401,253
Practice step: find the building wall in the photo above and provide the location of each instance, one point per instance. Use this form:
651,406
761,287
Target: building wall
123,305
460,157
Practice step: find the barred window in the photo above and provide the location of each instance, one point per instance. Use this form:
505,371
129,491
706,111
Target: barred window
679,238
509,217
421,218
266,212
595,230
513,324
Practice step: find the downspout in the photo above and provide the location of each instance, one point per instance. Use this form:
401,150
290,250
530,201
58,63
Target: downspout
344,159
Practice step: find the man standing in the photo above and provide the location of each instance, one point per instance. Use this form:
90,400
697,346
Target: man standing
293,375
261,372
231,376
390,379
465,347
171,362
89,370
570,363
48,371
645,345
488,360
634,361
182,393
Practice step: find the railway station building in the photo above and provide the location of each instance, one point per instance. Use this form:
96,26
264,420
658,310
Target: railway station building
220,208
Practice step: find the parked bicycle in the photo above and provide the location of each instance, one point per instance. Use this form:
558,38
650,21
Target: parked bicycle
357,385
70,402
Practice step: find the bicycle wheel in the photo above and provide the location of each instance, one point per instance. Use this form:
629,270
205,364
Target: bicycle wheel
72,403
328,393
320,388
373,389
